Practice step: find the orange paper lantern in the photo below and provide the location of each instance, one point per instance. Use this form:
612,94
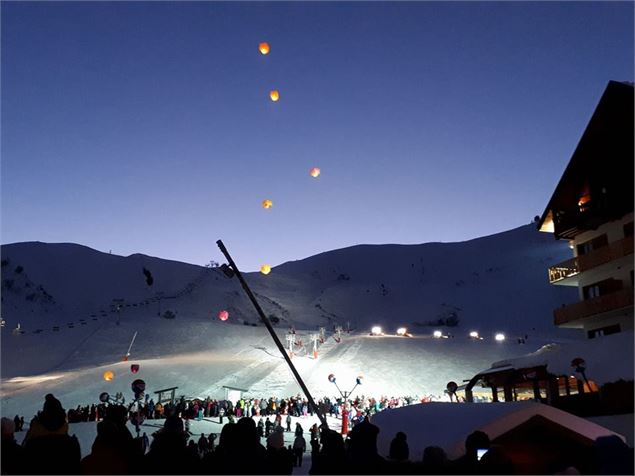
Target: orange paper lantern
267,204
315,172
109,375
274,95
264,48
265,269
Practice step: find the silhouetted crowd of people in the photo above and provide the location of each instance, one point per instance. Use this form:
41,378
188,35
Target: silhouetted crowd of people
49,449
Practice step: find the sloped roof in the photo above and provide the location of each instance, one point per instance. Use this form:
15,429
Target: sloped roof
448,424
604,154
608,358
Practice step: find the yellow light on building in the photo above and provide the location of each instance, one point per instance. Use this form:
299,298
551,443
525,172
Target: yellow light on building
264,48
274,95
265,269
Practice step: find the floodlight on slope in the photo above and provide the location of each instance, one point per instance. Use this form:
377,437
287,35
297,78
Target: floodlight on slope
402,331
437,334
474,335
376,331
500,337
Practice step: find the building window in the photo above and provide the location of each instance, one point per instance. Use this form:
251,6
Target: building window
594,244
604,331
601,288
628,229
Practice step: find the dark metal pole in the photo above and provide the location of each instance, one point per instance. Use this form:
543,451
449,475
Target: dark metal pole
274,336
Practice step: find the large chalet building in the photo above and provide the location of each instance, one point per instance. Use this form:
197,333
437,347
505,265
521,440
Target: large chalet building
592,207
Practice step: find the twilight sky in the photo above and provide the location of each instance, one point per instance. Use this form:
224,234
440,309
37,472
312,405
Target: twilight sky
147,127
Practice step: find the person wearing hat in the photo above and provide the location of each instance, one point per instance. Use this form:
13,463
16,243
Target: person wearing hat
48,447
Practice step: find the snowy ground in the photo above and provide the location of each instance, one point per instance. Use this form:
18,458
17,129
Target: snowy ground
247,358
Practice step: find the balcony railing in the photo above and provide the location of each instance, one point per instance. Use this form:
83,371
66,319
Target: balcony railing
590,307
573,266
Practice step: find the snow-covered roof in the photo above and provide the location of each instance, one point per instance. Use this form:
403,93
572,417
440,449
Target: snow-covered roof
448,424
603,363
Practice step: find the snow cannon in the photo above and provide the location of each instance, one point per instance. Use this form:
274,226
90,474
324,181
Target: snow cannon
332,378
358,380
134,368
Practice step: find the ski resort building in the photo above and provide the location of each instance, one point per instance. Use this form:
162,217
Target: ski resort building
592,207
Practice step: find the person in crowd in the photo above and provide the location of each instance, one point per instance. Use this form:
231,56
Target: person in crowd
362,455
192,449
106,455
168,452
288,420
496,461
268,427
613,456
16,422
203,445
399,447
47,445
434,460
261,428
331,458
279,460
299,447
299,430
469,462
12,453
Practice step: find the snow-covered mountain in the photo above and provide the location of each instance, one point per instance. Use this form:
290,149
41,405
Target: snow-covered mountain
499,280
61,294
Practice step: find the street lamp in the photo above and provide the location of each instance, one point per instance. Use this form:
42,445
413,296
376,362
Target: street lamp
345,395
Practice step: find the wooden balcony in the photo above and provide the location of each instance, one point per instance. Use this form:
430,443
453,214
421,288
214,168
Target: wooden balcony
621,299
606,254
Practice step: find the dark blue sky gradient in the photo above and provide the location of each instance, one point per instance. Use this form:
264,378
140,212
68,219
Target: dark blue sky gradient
146,127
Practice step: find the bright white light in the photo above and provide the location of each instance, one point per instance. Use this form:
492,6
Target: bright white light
438,334
499,337
375,331
401,331
474,335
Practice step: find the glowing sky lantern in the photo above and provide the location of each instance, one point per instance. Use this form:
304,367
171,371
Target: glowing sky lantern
109,375
315,172
267,204
264,48
274,94
223,315
265,269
